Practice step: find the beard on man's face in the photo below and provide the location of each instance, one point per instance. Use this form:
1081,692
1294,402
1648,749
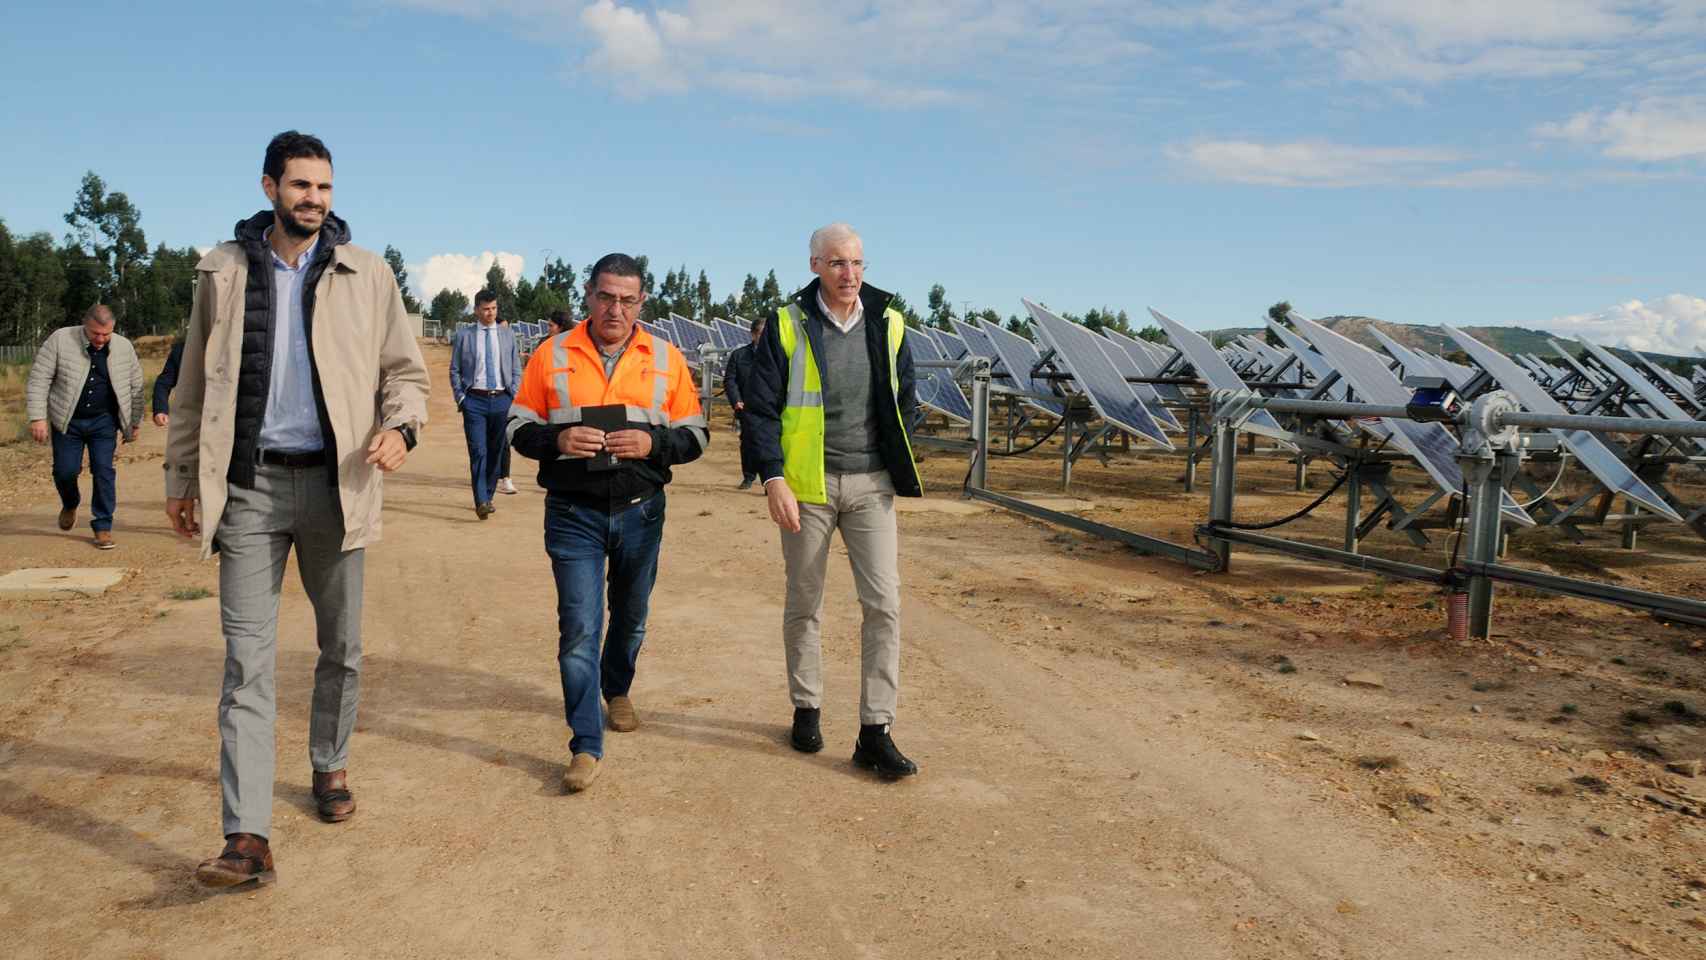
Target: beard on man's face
292,226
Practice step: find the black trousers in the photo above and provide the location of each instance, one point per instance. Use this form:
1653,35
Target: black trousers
748,462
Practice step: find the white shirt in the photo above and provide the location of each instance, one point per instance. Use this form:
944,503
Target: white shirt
852,318
483,334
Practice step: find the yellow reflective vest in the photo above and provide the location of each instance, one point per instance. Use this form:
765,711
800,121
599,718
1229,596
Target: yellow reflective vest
802,409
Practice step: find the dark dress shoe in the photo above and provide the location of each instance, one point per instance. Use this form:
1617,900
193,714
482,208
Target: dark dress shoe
482,510
806,737
876,751
246,859
332,797
67,518
745,483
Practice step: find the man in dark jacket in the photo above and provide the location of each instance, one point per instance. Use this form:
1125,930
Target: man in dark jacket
739,371
829,407
164,383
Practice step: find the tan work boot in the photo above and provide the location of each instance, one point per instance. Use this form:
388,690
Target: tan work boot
623,719
583,770
104,540
67,518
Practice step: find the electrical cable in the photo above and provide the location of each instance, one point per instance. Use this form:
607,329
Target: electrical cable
1563,462
1282,521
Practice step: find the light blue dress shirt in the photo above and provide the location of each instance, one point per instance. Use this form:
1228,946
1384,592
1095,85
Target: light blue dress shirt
292,422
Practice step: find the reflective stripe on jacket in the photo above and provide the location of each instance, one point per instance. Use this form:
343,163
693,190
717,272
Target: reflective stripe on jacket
565,374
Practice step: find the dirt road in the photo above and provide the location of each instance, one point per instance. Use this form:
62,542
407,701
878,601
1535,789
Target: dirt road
1112,764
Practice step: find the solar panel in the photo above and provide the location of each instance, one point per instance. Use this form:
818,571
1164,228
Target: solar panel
732,335
691,335
1649,392
1211,367
1019,357
1146,392
976,341
1683,388
658,331
1149,365
1086,357
1429,443
952,346
1589,449
936,386
1589,377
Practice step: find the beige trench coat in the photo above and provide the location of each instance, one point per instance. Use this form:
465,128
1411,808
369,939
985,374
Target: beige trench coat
371,375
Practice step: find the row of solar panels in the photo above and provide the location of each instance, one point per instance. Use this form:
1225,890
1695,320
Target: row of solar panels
1102,369
691,335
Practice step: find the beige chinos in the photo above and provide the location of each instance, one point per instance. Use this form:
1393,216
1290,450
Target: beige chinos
861,506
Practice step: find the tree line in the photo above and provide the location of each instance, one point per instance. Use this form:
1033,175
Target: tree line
104,258
682,292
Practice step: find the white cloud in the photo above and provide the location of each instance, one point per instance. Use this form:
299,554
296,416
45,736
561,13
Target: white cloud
1675,324
458,271
1309,163
1655,129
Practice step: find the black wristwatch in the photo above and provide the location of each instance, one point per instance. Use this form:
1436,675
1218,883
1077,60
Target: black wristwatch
408,433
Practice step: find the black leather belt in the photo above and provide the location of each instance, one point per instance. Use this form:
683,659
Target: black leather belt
278,458
486,393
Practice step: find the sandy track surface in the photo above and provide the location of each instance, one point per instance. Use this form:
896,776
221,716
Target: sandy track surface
1111,765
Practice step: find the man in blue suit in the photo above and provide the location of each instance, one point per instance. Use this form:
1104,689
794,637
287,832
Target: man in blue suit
484,367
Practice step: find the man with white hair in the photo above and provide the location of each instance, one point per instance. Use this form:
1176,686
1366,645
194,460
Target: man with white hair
829,405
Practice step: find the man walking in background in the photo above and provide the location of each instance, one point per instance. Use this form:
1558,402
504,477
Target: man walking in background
830,404
607,409
740,371
301,383
484,364
85,393
164,383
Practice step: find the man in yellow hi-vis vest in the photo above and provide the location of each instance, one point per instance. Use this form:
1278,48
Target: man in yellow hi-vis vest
829,407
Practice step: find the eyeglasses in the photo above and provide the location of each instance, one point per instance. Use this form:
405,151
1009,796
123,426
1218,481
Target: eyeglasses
608,300
839,264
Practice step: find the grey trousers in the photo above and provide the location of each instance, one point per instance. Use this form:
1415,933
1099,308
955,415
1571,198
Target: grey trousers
287,506
861,506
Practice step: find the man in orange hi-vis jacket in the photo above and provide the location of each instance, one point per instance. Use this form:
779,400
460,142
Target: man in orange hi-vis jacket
606,409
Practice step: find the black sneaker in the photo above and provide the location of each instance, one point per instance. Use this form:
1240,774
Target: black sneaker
876,751
806,737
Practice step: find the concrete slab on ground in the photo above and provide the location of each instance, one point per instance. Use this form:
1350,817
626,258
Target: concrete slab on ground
59,583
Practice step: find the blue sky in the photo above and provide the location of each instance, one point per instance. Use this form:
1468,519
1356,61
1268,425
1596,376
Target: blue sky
1540,163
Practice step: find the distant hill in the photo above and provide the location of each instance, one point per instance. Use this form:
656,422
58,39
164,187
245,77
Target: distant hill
1433,339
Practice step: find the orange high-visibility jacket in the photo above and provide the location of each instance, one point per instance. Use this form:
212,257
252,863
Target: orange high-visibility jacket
566,374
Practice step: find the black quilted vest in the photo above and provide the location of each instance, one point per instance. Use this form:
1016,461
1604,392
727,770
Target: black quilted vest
254,373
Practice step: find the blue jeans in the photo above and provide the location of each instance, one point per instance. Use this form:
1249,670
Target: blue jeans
484,420
580,541
100,436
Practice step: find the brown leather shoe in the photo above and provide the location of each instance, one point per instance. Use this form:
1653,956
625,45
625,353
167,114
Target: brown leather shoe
483,510
67,518
583,770
246,859
332,796
104,540
621,714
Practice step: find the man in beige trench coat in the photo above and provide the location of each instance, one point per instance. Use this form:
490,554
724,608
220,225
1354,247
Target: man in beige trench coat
301,383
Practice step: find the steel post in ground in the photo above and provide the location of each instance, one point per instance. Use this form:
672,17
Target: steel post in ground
980,426
1302,473
1066,450
1191,452
1353,506
1220,496
1482,541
